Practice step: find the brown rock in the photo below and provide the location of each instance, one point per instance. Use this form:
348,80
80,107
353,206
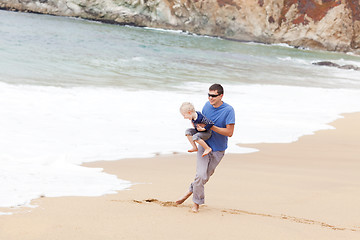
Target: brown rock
322,24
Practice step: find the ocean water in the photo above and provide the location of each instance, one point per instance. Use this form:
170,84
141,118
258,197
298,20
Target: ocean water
75,91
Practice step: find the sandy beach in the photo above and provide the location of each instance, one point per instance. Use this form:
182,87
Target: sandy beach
309,189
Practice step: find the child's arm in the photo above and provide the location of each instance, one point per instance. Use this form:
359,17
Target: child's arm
200,128
208,123
205,125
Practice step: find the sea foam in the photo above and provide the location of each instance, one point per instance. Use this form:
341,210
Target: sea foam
47,132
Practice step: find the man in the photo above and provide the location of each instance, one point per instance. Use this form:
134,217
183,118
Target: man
223,115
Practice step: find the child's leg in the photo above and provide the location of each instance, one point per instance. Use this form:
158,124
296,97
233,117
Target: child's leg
205,146
193,144
189,134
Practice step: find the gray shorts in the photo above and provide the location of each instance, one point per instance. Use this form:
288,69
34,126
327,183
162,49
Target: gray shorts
198,135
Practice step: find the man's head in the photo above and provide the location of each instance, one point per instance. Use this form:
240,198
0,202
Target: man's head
216,92
217,87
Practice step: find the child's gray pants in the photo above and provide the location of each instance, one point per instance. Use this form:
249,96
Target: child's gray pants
198,135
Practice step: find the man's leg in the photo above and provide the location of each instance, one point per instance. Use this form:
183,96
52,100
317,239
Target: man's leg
215,160
205,167
183,199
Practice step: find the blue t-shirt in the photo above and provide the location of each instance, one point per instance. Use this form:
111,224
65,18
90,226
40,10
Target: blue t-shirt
221,116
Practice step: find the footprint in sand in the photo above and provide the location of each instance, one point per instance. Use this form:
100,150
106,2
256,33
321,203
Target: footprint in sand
236,211
153,200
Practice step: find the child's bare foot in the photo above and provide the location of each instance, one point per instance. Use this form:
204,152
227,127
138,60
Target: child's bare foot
193,150
207,151
195,208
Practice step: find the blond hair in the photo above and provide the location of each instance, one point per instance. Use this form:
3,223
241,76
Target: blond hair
187,106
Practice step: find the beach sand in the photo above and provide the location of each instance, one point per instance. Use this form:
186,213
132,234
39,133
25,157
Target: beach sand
309,189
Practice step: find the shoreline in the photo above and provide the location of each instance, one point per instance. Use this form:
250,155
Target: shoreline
308,189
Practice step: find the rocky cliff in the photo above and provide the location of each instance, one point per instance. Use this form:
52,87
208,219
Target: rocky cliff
321,24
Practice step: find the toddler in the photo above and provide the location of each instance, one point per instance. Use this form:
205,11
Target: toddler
201,131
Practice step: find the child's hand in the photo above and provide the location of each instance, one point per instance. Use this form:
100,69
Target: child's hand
201,129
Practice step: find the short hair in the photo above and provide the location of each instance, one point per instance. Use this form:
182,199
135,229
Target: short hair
187,106
217,87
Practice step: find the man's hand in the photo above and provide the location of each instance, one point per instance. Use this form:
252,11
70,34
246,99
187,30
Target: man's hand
228,131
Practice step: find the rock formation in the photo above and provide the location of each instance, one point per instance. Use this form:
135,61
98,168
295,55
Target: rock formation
331,64
319,24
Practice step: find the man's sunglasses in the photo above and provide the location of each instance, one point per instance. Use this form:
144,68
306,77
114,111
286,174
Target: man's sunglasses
213,95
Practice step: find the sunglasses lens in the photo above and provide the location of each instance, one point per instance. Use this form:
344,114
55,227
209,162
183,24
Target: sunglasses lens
212,95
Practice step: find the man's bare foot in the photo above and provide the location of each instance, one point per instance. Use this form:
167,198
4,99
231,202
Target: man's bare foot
181,200
207,151
195,208
193,150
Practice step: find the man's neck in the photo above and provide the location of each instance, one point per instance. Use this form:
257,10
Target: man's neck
218,105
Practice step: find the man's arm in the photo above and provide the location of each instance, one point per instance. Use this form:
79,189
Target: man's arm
228,131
